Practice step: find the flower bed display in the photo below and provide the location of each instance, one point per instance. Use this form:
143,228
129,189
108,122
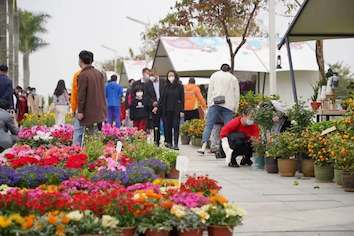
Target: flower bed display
107,207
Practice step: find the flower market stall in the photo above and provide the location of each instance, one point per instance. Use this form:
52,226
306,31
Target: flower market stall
48,187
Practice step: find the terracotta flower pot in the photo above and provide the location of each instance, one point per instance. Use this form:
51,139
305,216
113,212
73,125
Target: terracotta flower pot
271,165
338,177
348,181
162,175
220,230
174,174
191,232
287,167
324,174
157,233
307,166
185,139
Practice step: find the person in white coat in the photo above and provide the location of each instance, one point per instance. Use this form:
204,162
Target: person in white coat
223,98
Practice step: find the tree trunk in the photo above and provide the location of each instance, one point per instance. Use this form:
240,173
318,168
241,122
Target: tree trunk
16,44
11,38
26,70
3,34
320,59
233,64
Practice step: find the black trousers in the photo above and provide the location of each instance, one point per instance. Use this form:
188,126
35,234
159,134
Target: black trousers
191,115
156,118
244,149
171,121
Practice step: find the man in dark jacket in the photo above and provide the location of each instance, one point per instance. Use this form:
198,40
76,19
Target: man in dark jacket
92,106
152,91
143,80
7,123
6,89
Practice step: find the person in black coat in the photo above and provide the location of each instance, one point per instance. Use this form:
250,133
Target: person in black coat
139,108
172,104
153,90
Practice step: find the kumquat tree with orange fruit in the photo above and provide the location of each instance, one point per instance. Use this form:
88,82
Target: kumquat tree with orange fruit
342,152
318,148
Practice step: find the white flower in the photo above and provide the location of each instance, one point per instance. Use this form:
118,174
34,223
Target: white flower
36,138
230,212
75,215
109,222
87,212
241,212
294,122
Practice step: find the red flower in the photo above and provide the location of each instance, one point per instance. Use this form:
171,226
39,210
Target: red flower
24,161
76,161
92,167
9,156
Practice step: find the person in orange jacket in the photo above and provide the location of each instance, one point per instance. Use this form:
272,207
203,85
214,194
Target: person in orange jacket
192,96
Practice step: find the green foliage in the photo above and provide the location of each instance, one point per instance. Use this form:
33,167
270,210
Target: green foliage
301,117
346,80
94,146
285,145
160,220
263,116
321,126
189,220
315,89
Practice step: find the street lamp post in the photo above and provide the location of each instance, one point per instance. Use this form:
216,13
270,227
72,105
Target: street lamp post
115,56
272,50
146,30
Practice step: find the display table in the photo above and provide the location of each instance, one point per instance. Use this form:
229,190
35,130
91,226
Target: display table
328,113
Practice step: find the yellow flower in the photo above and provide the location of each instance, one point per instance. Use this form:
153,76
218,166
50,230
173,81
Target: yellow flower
4,223
17,218
178,211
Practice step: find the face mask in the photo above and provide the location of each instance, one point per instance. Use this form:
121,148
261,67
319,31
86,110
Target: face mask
139,94
28,91
33,93
24,95
249,122
171,79
152,78
147,77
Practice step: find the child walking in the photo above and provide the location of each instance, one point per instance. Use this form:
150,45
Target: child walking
139,110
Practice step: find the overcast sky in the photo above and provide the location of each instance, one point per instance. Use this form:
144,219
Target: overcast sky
87,24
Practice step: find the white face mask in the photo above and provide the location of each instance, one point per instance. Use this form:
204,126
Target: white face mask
139,94
152,78
171,79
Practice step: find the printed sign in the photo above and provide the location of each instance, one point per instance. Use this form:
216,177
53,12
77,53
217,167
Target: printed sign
119,146
182,167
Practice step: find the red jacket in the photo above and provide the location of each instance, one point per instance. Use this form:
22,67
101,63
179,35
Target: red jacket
236,125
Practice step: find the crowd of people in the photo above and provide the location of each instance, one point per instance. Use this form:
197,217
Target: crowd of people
148,103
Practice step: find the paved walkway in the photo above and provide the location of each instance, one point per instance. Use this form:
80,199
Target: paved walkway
274,205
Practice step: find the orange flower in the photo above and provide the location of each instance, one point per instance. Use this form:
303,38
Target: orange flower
218,198
60,230
52,220
29,221
141,199
157,196
65,219
149,193
213,192
54,213
166,205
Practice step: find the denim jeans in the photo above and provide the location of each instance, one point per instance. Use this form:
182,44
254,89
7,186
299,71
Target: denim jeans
114,111
212,117
78,132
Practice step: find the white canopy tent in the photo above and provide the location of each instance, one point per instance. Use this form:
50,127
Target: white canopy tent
132,70
317,20
202,56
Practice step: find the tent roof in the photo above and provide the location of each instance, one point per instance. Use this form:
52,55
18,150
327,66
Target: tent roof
132,70
202,56
322,19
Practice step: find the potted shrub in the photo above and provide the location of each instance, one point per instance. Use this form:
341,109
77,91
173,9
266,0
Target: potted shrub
315,104
197,129
185,133
189,222
201,184
283,148
260,147
318,150
169,157
307,163
300,116
342,150
223,217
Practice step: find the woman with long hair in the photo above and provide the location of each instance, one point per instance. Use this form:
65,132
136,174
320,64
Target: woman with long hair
61,101
172,104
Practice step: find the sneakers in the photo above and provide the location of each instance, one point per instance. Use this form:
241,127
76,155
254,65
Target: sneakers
234,165
200,151
246,161
176,148
169,146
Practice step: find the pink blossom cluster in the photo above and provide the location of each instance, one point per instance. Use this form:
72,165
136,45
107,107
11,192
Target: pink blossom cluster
110,130
83,184
190,200
112,165
145,186
29,133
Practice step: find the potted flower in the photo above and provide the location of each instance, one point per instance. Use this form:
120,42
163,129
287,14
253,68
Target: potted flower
189,222
284,148
260,147
155,216
201,184
271,163
197,129
223,217
318,150
185,133
315,104
307,163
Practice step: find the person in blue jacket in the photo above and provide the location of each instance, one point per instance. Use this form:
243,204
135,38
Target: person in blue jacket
114,95
6,89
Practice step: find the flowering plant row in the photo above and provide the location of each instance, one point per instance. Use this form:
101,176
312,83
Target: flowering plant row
108,206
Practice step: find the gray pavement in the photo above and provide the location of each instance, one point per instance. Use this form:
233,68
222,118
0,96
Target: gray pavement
274,205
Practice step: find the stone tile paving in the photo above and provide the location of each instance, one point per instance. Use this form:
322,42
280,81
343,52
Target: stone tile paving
274,205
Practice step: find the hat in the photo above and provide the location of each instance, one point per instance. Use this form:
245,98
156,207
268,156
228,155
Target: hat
4,68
